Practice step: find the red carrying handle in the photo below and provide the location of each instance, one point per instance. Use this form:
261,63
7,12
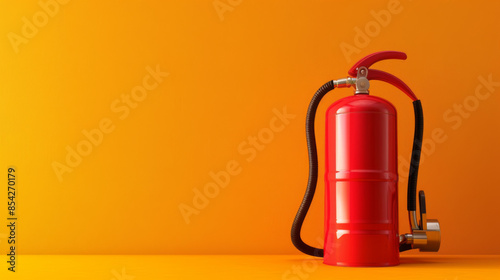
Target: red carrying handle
379,75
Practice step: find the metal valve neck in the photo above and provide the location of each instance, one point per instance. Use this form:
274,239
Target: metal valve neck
361,83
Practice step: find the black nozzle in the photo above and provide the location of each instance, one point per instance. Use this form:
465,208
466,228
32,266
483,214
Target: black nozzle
421,200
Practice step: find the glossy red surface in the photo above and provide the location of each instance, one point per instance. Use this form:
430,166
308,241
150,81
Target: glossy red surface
361,199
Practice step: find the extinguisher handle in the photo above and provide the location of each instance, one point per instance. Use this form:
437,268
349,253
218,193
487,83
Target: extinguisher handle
374,74
370,59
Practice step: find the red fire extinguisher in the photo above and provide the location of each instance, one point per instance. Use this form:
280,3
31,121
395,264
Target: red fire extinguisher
361,179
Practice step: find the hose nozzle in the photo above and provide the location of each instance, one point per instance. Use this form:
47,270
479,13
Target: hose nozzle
425,236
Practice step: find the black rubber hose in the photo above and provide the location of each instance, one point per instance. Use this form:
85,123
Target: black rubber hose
415,162
405,247
415,156
313,174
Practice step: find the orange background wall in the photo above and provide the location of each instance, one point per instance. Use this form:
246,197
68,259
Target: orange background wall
232,69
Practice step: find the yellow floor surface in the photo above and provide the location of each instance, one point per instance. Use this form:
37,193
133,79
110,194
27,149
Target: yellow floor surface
286,267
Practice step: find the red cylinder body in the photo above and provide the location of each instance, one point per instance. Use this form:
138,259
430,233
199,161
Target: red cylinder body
361,199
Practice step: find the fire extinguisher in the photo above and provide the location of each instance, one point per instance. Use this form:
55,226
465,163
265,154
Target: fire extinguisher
361,178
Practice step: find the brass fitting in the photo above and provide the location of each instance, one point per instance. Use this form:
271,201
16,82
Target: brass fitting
426,235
